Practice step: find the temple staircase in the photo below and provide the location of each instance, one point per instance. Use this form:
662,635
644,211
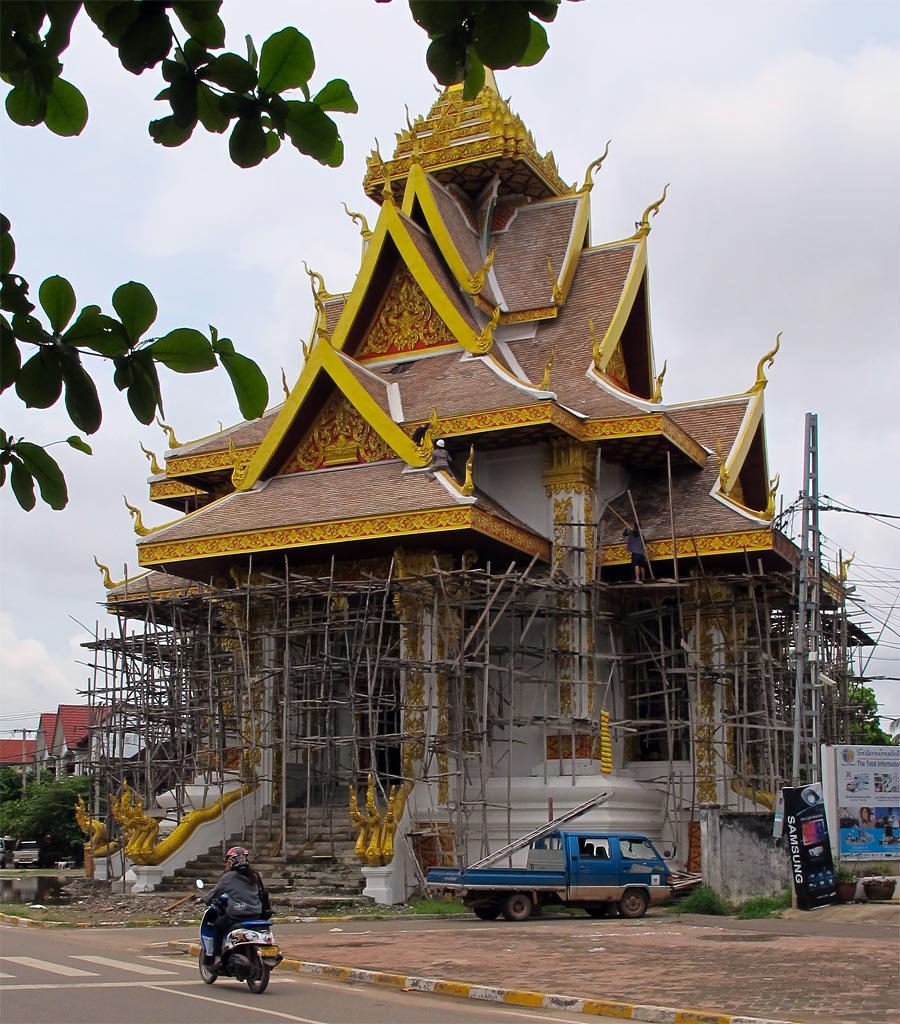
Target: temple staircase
319,870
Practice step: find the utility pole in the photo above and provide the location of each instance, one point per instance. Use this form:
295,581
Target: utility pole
807,693
24,764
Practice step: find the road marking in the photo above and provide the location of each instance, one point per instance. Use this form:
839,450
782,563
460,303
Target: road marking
245,1007
173,962
43,965
41,986
2,975
122,965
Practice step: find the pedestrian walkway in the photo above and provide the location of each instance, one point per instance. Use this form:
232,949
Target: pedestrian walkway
820,968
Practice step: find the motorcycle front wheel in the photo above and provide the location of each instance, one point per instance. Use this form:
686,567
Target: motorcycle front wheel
206,974
259,980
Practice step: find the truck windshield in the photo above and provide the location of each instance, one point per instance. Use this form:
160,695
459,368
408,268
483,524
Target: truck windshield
637,849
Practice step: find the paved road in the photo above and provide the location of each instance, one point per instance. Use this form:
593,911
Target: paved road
106,976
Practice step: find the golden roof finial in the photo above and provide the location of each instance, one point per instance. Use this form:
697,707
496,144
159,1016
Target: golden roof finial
773,490
476,281
173,440
643,225
592,169
135,513
317,282
319,294
844,568
155,468
468,487
305,348
284,383
387,188
723,472
767,360
416,155
108,581
596,345
360,219
657,387
554,284
548,366
484,340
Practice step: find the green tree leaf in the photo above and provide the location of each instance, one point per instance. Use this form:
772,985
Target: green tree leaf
310,129
82,400
67,109
22,484
501,34
474,80
136,307
285,62
25,106
44,468
7,247
202,25
209,111
538,45
249,383
57,297
147,40
231,72
144,394
247,142
79,444
446,58
184,350
14,294
93,330
336,95
546,10
166,131
39,383
29,328
437,17
10,356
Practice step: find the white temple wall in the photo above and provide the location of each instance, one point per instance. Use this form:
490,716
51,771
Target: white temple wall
513,477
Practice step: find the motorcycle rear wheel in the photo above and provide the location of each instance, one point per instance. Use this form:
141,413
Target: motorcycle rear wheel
206,974
258,982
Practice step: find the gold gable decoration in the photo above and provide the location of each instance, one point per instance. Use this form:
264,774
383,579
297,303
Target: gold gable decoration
338,437
406,322
616,369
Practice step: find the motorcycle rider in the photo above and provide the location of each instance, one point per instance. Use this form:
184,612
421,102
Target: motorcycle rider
247,897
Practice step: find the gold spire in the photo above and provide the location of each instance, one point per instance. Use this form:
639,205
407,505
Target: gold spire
657,387
844,568
596,345
773,490
173,440
554,284
284,383
548,366
767,360
468,487
155,468
360,219
484,340
592,169
135,513
476,281
108,581
643,225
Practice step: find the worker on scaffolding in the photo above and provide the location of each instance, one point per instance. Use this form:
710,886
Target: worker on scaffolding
635,544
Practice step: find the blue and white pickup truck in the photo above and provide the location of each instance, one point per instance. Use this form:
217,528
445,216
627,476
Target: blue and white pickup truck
595,870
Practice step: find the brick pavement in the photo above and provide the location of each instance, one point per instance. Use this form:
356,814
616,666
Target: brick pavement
848,978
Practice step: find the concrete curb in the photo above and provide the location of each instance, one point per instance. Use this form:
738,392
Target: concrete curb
509,996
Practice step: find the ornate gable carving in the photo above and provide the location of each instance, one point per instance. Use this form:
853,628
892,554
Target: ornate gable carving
615,368
338,436
406,321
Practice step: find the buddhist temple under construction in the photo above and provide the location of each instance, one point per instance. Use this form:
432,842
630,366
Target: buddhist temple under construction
401,602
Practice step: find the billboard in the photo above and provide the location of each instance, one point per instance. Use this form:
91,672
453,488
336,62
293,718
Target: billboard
806,832
867,792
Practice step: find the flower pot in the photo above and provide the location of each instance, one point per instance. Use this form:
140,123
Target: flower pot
880,888
846,891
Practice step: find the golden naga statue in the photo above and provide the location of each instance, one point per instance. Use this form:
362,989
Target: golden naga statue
767,360
94,831
485,340
657,386
377,829
643,225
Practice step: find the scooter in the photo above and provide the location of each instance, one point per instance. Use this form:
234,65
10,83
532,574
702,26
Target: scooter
248,951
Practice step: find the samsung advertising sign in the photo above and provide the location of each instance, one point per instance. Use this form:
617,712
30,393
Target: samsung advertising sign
806,832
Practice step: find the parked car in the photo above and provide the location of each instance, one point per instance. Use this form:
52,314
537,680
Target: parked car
27,854
4,852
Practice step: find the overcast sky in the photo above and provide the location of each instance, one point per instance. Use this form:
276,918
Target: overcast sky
774,122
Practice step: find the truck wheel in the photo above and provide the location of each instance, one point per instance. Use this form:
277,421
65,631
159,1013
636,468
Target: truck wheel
633,903
599,910
489,912
517,907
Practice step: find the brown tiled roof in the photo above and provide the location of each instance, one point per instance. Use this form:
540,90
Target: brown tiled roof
712,421
537,231
350,492
465,239
333,309
429,252
594,294
152,583
76,720
245,434
17,751
375,386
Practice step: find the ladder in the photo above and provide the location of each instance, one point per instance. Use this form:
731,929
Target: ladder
540,831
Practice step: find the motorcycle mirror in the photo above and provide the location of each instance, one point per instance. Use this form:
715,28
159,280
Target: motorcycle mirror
200,883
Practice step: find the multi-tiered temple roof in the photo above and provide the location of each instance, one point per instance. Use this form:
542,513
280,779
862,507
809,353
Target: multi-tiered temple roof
482,316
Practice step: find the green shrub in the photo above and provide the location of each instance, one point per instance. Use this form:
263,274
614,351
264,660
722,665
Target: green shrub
703,900
764,906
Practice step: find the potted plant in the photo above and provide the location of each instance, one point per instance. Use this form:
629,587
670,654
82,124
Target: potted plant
846,882
879,885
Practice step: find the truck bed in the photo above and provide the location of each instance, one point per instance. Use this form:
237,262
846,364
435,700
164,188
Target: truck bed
496,878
